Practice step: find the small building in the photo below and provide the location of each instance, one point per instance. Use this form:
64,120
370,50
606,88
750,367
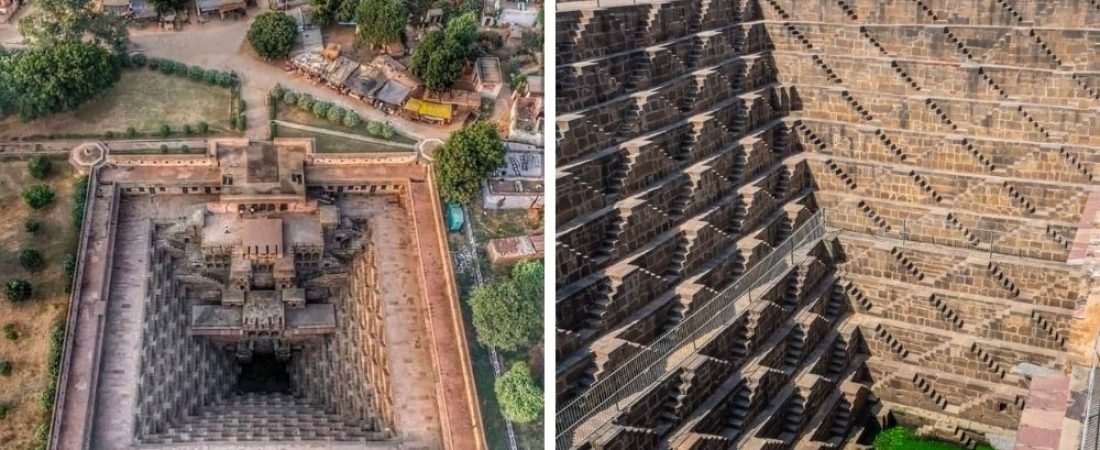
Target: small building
525,121
515,249
488,79
519,182
119,7
221,7
428,111
535,86
142,10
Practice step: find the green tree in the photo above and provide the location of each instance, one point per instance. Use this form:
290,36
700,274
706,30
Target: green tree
32,225
320,109
47,80
10,332
203,128
528,276
272,34
438,61
467,159
18,290
165,130
352,120
52,22
39,167
503,318
519,396
462,31
5,368
31,259
38,196
290,98
381,21
336,114
328,12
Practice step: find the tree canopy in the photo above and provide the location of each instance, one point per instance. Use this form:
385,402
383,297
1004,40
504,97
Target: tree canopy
503,318
55,21
39,167
437,61
38,196
328,12
47,80
519,396
381,21
167,6
272,34
528,276
18,290
467,159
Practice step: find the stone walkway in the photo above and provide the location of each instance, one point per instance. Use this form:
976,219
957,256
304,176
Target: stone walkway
75,392
407,343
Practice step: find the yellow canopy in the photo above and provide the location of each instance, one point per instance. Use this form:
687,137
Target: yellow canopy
430,109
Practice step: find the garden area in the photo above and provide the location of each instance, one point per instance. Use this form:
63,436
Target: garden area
37,240
139,104
302,109
497,301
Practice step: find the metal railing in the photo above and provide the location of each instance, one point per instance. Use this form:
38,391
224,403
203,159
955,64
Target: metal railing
584,415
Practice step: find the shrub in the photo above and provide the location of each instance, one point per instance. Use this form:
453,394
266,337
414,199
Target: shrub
320,109
210,77
520,398
196,73
164,148
18,290
39,167
10,332
137,59
68,264
5,368
165,130
305,102
276,92
38,196
185,149
374,128
241,105
352,120
152,63
187,129
80,198
131,132
32,225
31,259
336,114
242,123
203,127
226,79
387,131
166,66
109,135
290,98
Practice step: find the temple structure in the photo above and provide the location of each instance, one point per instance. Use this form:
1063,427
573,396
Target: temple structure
236,296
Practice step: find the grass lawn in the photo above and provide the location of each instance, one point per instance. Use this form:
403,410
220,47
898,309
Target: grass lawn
335,144
32,318
289,114
497,223
901,438
143,99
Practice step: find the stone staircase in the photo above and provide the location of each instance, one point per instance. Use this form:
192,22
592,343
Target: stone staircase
275,417
1003,279
1047,327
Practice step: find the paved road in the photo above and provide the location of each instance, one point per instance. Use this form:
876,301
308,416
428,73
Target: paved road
221,44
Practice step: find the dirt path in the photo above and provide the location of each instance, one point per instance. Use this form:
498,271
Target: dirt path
222,45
